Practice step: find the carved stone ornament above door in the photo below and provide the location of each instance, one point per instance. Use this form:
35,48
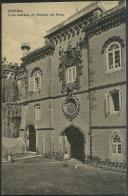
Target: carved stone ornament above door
69,58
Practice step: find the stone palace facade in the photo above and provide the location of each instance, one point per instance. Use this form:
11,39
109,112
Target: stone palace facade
72,90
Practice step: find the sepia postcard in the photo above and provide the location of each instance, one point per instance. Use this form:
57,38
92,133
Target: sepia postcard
64,98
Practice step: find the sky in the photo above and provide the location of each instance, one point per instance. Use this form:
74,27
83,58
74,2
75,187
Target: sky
32,29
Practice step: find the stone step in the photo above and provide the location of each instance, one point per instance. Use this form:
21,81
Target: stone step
27,156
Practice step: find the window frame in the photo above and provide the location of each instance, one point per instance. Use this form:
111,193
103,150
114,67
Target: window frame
70,74
37,112
116,144
109,105
31,86
34,75
32,79
113,57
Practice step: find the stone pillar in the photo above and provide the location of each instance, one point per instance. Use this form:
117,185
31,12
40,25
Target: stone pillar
27,139
61,149
67,145
88,146
43,146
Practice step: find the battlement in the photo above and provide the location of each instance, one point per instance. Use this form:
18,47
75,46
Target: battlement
12,70
6,65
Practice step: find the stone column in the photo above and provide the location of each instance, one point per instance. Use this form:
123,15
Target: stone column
60,146
43,146
67,145
88,146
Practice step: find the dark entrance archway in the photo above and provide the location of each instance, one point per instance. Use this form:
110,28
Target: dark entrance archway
32,138
76,140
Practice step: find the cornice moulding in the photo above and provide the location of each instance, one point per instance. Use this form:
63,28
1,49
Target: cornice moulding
107,20
90,25
90,8
38,53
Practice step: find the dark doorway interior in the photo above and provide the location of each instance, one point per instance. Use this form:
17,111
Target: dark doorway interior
32,138
76,141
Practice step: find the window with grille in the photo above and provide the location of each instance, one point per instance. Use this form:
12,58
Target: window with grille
113,56
71,74
113,101
116,144
37,112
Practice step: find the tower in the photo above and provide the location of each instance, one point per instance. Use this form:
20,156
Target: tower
25,47
10,95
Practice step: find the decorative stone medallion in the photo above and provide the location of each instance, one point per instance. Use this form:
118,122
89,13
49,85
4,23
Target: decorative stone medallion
71,107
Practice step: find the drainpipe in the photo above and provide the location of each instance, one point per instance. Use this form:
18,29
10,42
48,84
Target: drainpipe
89,150
49,94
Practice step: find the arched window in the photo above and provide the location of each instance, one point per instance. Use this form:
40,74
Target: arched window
37,112
35,80
113,101
113,56
116,144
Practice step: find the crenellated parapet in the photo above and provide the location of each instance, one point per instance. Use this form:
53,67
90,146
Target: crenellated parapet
39,53
71,30
91,22
75,24
9,69
13,70
107,20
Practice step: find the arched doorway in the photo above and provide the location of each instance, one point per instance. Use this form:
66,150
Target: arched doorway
32,138
75,138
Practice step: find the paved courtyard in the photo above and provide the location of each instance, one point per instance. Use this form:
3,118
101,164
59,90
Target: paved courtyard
37,177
